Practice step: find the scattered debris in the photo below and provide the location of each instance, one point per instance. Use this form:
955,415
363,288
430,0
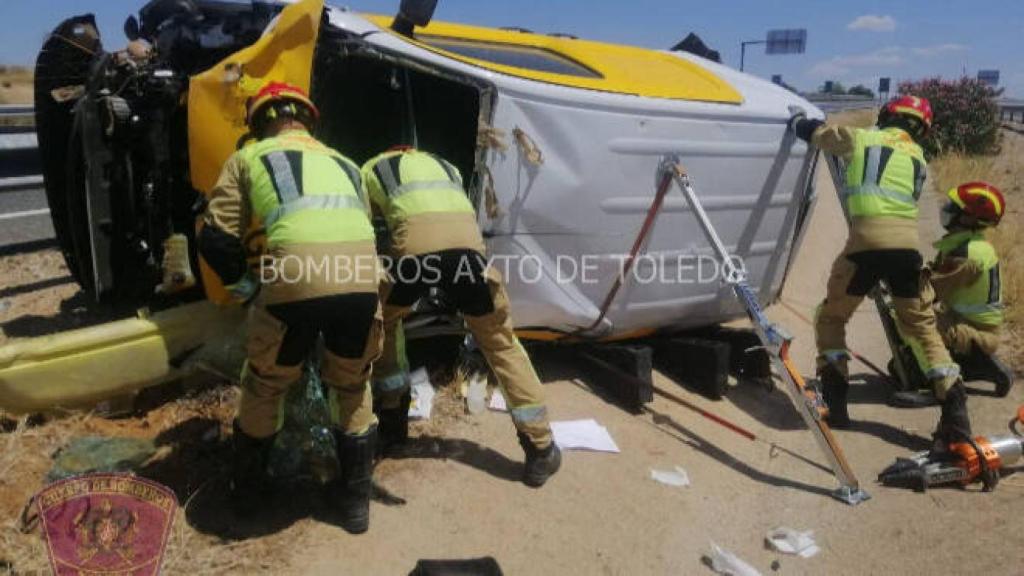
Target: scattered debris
677,477
91,454
476,394
789,541
498,403
583,435
724,562
422,395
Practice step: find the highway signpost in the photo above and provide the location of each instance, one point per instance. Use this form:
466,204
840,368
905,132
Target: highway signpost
788,41
989,77
883,88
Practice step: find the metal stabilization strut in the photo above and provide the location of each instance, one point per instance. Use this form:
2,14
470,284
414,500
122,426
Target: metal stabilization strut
776,342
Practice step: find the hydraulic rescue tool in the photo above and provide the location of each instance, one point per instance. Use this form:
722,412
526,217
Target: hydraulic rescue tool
980,459
774,339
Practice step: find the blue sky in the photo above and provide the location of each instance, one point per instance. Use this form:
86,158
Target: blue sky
850,41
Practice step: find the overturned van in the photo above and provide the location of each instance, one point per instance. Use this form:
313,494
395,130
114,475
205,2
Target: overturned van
560,141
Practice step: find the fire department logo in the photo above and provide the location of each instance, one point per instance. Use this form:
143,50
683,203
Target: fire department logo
106,524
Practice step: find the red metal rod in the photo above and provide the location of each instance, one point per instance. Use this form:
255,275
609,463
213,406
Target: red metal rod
652,214
717,419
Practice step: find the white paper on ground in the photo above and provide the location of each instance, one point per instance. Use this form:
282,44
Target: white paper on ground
498,402
422,395
725,562
583,435
789,541
675,477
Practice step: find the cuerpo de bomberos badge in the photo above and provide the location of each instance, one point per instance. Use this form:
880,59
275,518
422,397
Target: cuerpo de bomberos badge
104,524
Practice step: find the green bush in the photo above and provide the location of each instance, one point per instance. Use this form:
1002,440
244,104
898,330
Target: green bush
966,115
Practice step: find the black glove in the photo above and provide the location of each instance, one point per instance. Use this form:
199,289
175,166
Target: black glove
802,127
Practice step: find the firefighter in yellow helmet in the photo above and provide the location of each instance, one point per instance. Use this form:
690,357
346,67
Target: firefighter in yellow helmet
317,277
885,176
435,242
965,276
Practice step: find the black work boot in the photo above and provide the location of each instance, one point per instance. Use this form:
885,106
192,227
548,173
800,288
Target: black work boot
250,484
954,423
541,463
349,494
393,427
981,366
834,389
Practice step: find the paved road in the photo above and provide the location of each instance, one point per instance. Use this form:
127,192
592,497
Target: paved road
24,217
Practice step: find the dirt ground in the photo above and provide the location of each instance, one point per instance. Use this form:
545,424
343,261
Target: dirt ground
602,514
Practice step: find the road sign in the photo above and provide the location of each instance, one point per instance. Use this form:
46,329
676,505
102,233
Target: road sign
777,79
883,85
792,41
829,85
989,77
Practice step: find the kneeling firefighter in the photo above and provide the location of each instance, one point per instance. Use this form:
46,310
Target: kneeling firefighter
965,276
307,198
886,171
435,242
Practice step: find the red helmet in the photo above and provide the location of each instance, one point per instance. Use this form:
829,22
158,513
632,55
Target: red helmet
982,201
918,108
278,92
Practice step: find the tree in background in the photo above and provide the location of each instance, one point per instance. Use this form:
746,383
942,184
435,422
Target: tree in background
966,115
861,90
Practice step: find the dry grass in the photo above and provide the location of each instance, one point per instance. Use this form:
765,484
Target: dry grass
860,118
1006,172
15,85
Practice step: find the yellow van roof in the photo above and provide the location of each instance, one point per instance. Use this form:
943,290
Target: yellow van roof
606,67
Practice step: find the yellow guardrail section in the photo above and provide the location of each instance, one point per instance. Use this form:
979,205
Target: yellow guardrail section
621,69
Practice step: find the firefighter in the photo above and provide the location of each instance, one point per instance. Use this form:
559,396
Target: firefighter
885,176
435,242
307,199
965,277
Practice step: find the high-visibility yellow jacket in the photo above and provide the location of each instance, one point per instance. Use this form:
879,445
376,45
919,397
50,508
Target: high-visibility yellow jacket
966,278
295,197
421,196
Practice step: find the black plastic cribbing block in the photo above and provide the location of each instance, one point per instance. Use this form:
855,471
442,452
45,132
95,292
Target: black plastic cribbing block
700,363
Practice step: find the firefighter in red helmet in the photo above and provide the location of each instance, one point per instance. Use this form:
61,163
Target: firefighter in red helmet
308,199
886,170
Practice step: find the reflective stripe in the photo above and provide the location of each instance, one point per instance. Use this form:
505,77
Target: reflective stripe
453,173
393,383
284,179
873,156
876,190
972,309
426,185
333,202
942,372
353,175
529,413
387,175
834,356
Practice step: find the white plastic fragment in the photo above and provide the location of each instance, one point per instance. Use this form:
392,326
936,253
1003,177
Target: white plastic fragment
677,477
498,403
790,541
728,564
422,395
476,394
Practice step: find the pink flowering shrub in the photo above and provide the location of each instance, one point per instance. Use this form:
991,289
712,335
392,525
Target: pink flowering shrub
966,115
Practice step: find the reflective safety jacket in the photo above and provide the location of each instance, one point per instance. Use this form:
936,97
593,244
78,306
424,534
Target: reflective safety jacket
304,192
287,196
966,278
886,174
421,196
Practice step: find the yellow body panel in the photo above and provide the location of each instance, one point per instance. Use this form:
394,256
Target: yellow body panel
76,368
216,99
624,69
